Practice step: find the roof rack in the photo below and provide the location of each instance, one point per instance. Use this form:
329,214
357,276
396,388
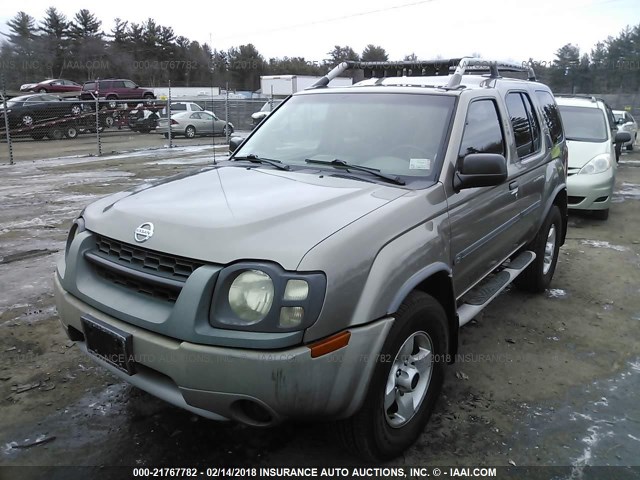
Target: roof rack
431,67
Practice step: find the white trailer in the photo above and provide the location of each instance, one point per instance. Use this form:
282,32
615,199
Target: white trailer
285,85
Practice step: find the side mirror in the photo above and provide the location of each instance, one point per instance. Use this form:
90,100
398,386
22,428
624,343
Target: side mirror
480,170
234,143
623,137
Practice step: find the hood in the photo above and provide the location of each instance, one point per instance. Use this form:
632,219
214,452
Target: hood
232,213
582,152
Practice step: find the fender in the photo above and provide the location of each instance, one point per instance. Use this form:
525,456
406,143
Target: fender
415,280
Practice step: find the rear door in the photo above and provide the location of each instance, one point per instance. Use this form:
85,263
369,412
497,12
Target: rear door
526,163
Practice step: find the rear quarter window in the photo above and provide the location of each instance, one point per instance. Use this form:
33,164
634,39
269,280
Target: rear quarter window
551,115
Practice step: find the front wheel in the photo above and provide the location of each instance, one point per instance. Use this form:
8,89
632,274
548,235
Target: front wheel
190,132
71,132
405,385
546,245
56,133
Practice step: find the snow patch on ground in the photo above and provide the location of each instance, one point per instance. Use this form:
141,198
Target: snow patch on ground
604,244
556,293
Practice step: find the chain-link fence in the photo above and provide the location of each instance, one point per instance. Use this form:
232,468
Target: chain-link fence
40,125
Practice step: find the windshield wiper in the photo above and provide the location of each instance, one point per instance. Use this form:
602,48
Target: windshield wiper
253,158
337,163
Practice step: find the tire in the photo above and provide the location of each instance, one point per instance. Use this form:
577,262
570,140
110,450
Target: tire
600,214
27,119
546,245
224,130
56,133
378,431
108,121
190,132
111,102
71,132
42,90
76,110
618,150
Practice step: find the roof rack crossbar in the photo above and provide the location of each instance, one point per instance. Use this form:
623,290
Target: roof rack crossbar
462,65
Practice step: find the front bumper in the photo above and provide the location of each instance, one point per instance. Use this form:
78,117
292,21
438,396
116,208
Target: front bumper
591,192
256,387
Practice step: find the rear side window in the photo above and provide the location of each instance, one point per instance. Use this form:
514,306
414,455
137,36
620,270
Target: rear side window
117,84
551,116
178,106
482,132
524,123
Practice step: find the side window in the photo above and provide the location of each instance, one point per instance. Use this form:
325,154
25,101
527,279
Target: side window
551,115
117,85
195,115
533,122
196,108
524,123
482,132
129,84
178,106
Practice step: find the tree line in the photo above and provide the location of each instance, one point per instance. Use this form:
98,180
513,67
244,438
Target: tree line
153,55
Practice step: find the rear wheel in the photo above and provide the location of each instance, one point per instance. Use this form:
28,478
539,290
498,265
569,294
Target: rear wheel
537,276
190,132
405,385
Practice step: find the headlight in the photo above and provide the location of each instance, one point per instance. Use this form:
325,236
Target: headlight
76,228
599,164
251,296
263,297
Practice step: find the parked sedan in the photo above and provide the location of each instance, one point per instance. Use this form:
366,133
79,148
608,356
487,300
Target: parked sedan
28,110
626,123
55,85
191,124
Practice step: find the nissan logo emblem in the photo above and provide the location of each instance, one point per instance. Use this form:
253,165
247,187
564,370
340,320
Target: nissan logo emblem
144,232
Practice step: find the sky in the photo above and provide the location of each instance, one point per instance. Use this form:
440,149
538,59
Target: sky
497,29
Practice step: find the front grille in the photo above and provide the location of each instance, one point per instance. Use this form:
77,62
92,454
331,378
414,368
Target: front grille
170,294
156,274
171,266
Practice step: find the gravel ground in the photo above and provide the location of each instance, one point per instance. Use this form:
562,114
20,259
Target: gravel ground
548,379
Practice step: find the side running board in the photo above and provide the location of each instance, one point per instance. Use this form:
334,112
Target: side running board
489,288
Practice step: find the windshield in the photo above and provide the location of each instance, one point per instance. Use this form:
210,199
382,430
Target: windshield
398,134
584,124
619,116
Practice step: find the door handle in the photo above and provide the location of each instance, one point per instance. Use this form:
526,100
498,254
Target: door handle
513,188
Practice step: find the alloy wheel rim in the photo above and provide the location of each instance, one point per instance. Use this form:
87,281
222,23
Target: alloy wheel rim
408,380
549,250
